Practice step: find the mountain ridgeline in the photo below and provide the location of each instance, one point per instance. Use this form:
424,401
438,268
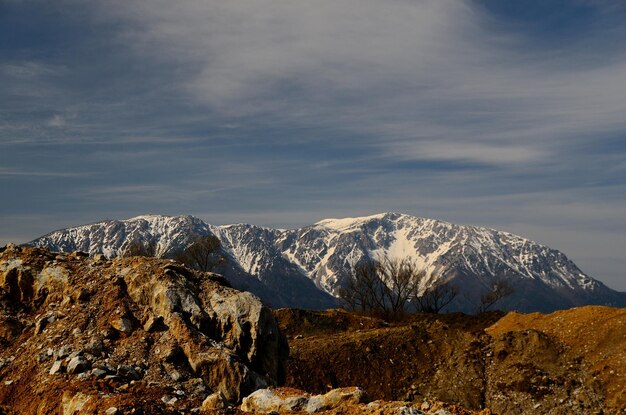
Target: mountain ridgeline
306,267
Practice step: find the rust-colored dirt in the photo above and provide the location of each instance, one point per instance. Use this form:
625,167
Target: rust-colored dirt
569,362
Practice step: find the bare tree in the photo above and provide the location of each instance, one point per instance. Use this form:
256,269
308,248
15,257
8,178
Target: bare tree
383,288
403,278
140,248
435,298
499,289
202,254
365,291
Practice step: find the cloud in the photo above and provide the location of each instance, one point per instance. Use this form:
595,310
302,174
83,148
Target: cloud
30,69
57,121
438,78
33,173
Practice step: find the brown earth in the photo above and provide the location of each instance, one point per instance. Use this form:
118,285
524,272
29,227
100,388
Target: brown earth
82,334
568,362
597,335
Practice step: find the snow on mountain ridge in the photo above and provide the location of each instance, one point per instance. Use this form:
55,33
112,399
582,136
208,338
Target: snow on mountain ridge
325,252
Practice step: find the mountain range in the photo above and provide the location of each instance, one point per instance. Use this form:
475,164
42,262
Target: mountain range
306,267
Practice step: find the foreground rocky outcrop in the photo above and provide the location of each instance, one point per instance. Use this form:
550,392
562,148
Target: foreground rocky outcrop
81,334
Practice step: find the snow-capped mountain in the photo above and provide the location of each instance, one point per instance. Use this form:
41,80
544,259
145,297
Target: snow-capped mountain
306,267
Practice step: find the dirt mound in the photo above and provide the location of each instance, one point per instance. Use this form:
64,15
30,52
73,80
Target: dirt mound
427,357
594,336
85,334
569,362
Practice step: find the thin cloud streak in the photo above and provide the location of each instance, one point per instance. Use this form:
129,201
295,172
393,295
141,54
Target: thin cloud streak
363,66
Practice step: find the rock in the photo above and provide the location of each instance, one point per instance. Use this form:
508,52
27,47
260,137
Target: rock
98,373
202,314
222,370
175,375
95,347
109,333
335,398
112,411
122,324
407,410
267,400
154,324
169,400
199,336
18,282
57,367
249,329
73,403
77,365
40,325
214,401
172,352
63,351
128,372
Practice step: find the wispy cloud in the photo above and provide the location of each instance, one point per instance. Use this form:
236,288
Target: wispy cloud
34,173
436,78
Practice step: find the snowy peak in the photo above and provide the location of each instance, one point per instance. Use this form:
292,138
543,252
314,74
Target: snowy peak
305,267
112,237
349,223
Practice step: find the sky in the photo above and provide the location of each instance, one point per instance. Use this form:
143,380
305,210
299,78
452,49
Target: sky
504,114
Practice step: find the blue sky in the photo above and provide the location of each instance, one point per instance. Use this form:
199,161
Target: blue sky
505,114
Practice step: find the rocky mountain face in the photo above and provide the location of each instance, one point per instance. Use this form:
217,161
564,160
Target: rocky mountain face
82,334
306,267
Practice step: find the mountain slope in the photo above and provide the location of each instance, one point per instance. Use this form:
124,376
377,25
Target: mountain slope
301,267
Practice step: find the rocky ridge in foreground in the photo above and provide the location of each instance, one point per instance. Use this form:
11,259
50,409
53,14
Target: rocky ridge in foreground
80,333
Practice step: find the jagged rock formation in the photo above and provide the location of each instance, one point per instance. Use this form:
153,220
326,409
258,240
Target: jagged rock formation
85,333
306,267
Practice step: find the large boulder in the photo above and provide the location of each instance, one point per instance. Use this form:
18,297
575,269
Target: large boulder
225,334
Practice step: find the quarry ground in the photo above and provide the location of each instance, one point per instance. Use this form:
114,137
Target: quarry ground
87,335
568,362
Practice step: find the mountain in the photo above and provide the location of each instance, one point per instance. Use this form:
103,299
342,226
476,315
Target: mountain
306,267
